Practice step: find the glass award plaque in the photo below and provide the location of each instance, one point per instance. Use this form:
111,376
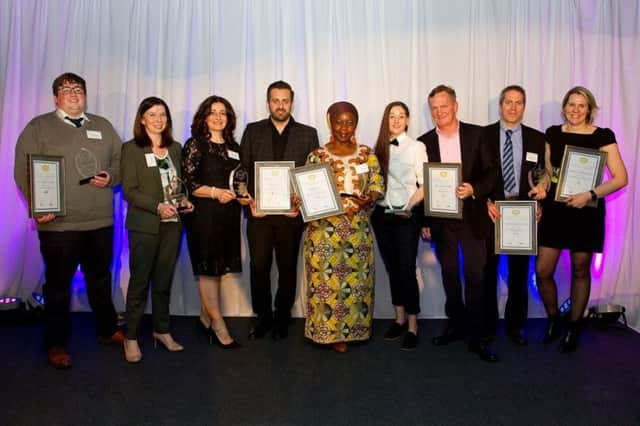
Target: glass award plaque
86,164
238,181
176,193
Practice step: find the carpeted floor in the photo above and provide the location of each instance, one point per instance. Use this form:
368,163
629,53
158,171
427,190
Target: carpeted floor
293,382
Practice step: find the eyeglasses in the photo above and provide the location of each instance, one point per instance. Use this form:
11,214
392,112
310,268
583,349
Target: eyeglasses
163,164
66,90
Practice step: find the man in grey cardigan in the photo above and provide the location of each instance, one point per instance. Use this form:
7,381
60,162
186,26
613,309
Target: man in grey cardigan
84,235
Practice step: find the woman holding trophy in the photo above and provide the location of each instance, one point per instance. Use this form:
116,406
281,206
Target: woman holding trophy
338,250
396,219
150,170
217,183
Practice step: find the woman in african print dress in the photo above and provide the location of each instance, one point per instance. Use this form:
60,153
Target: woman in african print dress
338,251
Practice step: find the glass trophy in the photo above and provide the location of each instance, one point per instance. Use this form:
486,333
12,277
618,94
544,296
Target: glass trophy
87,165
238,181
176,193
535,175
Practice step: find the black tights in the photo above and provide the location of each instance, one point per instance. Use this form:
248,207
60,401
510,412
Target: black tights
580,280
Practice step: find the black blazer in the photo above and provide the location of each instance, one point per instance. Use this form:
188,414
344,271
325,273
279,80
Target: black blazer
256,145
533,141
479,168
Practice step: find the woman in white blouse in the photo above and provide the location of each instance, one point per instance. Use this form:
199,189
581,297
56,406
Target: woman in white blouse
396,219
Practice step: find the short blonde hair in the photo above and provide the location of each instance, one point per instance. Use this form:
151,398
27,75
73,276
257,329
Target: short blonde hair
591,102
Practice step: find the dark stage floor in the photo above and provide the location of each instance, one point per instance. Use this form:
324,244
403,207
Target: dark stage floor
293,382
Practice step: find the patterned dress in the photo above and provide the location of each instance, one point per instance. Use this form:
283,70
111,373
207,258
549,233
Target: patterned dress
338,254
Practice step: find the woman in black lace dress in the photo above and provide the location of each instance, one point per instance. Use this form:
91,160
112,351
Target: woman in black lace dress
213,231
574,225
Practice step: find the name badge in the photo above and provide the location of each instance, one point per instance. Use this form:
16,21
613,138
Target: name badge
94,134
532,156
234,155
151,160
362,168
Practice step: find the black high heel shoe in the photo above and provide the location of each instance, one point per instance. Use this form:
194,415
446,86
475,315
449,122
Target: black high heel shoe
232,345
204,330
552,333
572,338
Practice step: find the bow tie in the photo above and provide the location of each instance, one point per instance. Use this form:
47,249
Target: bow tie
394,142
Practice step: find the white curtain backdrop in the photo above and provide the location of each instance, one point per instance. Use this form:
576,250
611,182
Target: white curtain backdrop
368,52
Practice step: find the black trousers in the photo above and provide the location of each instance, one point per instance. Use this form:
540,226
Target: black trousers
266,235
62,253
516,310
152,258
397,239
471,309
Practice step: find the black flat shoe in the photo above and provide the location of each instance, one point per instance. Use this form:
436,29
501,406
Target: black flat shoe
484,352
552,333
518,338
280,332
259,330
410,341
395,331
449,336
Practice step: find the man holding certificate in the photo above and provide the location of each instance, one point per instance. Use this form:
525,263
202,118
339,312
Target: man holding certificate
90,152
460,143
277,139
520,150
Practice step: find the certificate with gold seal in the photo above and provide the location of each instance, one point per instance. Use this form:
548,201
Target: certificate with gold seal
516,228
317,191
440,183
46,185
272,186
580,171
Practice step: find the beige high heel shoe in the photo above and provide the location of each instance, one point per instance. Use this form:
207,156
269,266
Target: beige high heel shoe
167,341
132,352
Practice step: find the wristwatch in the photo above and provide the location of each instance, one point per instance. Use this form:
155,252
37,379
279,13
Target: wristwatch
594,196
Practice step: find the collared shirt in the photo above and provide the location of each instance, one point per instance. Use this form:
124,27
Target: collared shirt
279,140
63,114
516,143
450,146
405,171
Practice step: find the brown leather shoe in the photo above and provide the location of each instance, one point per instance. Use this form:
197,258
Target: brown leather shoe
58,357
340,347
116,338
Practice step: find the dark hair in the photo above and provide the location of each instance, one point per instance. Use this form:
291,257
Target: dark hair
199,128
279,85
443,88
515,87
591,102
139,132
382,144
68,77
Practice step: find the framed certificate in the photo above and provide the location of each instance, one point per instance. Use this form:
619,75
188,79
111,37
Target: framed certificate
440,183
317,191
46,185
516,228
272,186
580,171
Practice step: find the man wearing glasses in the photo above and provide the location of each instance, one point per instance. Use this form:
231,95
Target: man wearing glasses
83,236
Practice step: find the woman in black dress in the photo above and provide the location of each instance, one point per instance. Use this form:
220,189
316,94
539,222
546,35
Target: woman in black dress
213,231
574,225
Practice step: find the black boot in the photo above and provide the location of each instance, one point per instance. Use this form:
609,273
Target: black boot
552,332
572,338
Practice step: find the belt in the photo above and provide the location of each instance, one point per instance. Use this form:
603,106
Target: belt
512,198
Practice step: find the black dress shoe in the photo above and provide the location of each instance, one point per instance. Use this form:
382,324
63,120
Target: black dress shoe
280,332
259,330
484,352
395,331
518,338
449,336
552,333
572,338
410,341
